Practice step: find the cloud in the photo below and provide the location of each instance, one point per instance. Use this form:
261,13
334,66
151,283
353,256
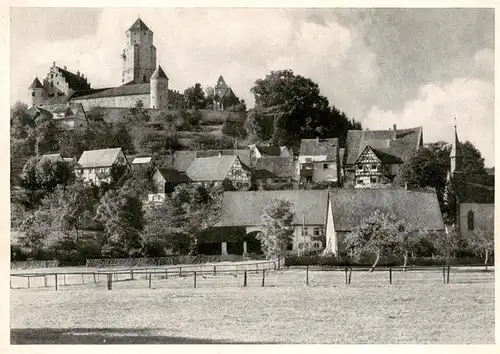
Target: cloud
471,101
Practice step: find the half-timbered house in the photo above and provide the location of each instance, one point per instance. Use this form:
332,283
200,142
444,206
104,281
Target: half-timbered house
216,169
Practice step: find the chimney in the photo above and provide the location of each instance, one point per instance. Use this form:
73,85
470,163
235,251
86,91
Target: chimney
53,63
394,132
65,68
78,73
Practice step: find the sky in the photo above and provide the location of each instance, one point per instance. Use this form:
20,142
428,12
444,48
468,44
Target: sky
409,67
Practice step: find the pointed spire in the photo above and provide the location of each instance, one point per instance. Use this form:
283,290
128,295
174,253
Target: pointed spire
159,73
139,25
455,146
36,84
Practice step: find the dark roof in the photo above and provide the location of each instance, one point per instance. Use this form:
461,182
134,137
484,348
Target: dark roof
75,82
456,151
317,147
139,25
159,73
36,84
124,90
214,168
418,208
173,176
274,150
245,208
35,111
70,110
82,93
275,167
404,147
387,158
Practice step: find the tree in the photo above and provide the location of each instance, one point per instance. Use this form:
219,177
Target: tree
123,138
405,241
447,244
276,228
289,108
195,97
481,243
234,129
122,216
137,115
374,235
35,228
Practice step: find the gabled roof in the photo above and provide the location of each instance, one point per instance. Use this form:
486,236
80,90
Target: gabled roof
403,147
139,25
124,90
266,150
75,82
159,73
52,157
35,111
182,159
320,147
173,176
36,84
99,158
214,168
245,208
243,154
69,109
419,208
275,167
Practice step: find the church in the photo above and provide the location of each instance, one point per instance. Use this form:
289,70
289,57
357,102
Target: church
142,80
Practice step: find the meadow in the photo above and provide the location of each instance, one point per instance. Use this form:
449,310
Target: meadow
417,308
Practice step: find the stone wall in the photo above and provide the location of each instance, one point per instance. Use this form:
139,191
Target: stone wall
113,102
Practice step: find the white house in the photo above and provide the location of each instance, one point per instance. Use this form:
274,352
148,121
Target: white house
319,160
260,151
94,166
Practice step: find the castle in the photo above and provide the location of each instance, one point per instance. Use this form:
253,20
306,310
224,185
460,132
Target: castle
142,80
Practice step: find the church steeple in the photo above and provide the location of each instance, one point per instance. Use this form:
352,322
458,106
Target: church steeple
456,156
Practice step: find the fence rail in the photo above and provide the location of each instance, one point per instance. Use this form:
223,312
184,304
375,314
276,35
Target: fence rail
259,269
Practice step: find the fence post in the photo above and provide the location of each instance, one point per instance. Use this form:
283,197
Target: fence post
10,282
166,273
55,276
110,281
444,276
45,280
215,269
180,272
93,274
195,279
448,276
28,282
263,276
390,275
346,275
274,263
279,263
64,279
131,274
150,280
350,273
307,275
245,278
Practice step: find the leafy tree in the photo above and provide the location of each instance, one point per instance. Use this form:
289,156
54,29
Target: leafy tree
137,115
195,97
276,228
289,108
481,242
447,244
375,235
211,142
122,216
35,228
405,241
123,138
234,129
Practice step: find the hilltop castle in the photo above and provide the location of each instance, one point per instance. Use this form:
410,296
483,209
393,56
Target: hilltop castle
142,79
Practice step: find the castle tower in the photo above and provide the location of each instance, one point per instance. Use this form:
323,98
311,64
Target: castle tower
37,93
159,89
139,55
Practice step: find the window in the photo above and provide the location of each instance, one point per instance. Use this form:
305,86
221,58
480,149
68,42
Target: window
237,172
316,244
317,231
470,220
374,167
325,166
360,167
373,179
51,76
33,94
143,77
276,180
305,231
360,181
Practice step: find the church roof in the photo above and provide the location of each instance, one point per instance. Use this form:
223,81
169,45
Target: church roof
36,84
456,151
159,73
139,25
75,82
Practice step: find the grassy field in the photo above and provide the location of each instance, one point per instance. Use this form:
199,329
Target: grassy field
416,308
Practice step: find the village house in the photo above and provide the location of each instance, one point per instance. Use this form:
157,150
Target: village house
165,180
216,169
94,166
65,116
347,207
373,157
319,160
475,195
180,160
245,209
274,171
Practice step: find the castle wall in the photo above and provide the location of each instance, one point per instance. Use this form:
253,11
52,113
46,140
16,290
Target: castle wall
113,102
